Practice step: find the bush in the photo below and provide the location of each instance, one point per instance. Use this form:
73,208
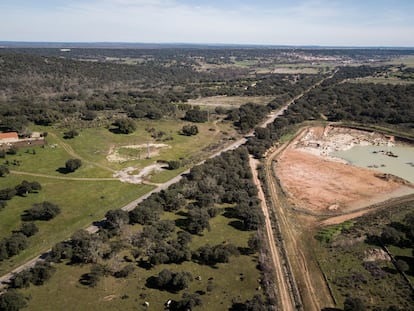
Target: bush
125,126
3,204
124,272
12,301
211,255
171,281
189,130
173,165
354,304
29,229
72,165
7,194
4,171
92,278
26,187
196,115
41,211
70,134
15,243
41,272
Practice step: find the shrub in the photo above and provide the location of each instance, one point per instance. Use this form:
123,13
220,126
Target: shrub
12,301
29,229
72,165
4,171
41,211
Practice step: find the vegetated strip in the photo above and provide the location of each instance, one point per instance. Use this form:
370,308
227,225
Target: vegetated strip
280,242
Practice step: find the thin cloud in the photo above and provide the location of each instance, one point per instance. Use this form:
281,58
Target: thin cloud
319,22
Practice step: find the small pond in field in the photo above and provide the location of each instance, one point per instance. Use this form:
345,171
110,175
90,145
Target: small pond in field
398,160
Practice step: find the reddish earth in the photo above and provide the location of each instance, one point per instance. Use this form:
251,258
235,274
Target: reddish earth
321,185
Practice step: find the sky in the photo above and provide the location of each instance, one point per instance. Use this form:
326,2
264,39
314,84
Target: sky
288,22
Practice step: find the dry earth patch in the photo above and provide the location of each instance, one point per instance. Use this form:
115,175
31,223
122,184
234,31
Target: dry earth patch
317,182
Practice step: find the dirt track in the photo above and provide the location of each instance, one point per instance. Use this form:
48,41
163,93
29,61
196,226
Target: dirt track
316,184
282,291
302,287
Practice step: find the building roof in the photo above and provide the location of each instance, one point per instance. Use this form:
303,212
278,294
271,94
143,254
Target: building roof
9,135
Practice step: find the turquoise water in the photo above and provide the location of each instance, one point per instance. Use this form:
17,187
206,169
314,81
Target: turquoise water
398,161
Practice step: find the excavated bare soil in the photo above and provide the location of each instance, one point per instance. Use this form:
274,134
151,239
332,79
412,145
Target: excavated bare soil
317,182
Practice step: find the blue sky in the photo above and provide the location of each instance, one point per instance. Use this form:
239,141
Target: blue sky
289,22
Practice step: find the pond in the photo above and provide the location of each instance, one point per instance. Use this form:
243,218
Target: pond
397,160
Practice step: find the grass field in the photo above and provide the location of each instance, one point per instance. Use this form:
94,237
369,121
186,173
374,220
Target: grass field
406,60
229,101
81,203
354,266
233,281
85,201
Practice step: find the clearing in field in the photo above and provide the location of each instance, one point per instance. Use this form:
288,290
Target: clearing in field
134,152
229,101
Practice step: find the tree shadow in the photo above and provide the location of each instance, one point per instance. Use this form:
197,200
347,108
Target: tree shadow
182,213
182,223
87,280
245,251
237,224
115,130
373,240
409,261
144,264
63,170
151,282
238,306
230,212
390,270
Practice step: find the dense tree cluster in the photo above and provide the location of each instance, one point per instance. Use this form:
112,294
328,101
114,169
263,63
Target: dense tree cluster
125,126
196,115
37,275
248,116
335,100
12,300
211,255
171,281
22,189
14,244
257,303
26,187
41,211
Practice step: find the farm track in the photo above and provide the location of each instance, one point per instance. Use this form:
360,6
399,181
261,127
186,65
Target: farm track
92,229
61,177
282,292
304,298
72,152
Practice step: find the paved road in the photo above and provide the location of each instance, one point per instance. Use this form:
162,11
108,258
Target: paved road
237,143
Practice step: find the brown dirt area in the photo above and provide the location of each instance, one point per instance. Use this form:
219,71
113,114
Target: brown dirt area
316,182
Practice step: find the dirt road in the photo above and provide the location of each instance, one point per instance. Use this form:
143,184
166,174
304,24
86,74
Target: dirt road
133,204
305,296
72,153
282,292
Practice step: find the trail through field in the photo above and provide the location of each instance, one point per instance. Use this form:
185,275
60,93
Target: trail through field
72,152
61,177
225,147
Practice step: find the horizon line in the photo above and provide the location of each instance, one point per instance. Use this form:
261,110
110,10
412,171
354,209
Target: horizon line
131,43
